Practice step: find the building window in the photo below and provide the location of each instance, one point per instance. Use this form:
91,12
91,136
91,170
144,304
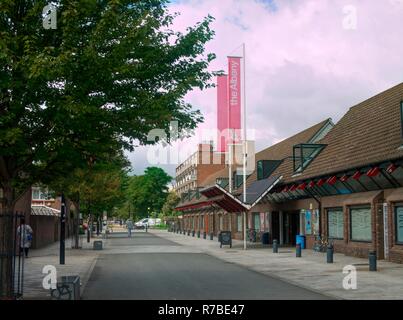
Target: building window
239,222
201,222
335,223
399,224
39,194
360,224
266,167
304,153
221,222
256,221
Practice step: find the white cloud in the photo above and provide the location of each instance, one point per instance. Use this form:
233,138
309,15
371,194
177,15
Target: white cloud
302,65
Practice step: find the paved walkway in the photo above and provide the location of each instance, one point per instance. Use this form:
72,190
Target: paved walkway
311,271
77,262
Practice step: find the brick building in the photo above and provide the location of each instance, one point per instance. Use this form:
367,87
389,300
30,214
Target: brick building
201,213
192,173
344,183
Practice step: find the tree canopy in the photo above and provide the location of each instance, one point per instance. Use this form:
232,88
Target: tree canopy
147,193
111,72
172,200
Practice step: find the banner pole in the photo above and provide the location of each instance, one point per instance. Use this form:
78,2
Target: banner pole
244,141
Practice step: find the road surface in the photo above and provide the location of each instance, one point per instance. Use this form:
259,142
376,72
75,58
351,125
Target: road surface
164,271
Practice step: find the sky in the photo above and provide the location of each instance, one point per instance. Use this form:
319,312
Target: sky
306,61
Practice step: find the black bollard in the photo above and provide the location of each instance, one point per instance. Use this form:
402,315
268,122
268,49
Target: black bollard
298,251
275,246
188,232
330,251
193,233
211,236
372,260
204,235
198,234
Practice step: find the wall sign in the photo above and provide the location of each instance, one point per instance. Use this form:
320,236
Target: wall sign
308,221
315,221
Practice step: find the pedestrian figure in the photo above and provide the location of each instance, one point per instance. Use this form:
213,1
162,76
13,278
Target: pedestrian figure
129,227
24,233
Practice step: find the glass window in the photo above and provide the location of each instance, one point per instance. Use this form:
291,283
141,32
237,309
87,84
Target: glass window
201,222
335,223
221,222
304,153
360,224
399,224
35,194
239,222
266,167
256,221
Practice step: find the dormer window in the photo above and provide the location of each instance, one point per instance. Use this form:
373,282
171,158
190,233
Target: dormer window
222,182
304,153
265,168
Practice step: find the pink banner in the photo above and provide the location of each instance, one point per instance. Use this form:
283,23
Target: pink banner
234,92
222,113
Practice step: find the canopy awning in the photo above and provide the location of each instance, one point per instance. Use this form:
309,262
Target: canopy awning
224,199
195,205
39,210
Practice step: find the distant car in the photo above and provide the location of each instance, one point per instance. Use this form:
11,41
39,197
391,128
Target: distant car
149,222
141,224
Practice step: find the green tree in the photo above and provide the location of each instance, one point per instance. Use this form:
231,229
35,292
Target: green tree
94,189
168,209
147,193
110,72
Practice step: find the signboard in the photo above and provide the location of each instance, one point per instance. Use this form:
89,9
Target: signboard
315,221
222,113
225,239
234,92
308,222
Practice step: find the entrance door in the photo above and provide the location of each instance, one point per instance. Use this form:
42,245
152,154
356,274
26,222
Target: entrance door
294,227
275,226
291,226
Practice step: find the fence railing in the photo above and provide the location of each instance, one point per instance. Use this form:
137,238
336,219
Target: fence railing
11,257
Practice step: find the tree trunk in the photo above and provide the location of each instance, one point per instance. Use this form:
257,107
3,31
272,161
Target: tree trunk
7,242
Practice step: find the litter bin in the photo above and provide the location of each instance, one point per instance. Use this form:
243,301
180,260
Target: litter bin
265,238
301,241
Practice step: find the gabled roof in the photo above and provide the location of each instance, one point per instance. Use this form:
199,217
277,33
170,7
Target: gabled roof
224,199
258,189
283,149
38,210
368,133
